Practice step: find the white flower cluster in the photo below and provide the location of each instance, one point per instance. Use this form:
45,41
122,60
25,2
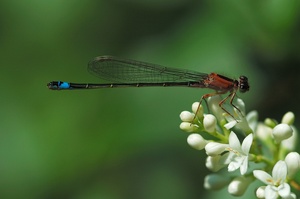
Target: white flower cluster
267,147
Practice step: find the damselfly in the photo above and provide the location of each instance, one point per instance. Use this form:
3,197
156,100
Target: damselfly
131,73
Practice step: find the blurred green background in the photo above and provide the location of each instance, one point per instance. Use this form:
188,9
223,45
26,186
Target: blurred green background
126,143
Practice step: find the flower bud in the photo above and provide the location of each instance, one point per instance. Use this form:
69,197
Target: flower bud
293,163
288,118
239,185
260,192
186,116
215,109
241,105
215,181
282,132
213,163
209,123
263,132
252,118
188,127
270,122
196,141
291,143
197,109
215,148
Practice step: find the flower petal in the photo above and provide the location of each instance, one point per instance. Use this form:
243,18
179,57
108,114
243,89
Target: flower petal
270,193
244,166
230,124
279,171
226,158
263,176
284,190
234,142
247,144
234,164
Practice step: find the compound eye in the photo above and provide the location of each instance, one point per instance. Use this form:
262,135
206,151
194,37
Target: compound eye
243,84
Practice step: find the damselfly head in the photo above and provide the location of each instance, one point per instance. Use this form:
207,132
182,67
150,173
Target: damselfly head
243,84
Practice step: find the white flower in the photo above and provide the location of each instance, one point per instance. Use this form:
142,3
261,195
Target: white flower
238,154
276,183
